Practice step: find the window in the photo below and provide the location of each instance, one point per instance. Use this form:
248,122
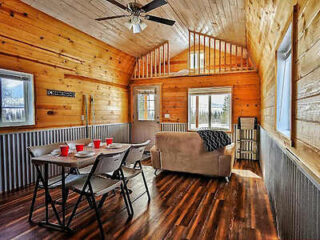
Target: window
284,69
16,99
194,60
210,108
146,105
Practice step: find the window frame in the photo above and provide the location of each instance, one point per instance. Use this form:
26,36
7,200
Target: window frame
211,91
29,99
291,23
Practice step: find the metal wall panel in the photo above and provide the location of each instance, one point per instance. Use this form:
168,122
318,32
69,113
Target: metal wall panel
174,127
295,195
183,127
16,170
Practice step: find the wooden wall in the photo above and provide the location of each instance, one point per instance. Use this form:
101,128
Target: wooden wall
63,58
245,98
265,26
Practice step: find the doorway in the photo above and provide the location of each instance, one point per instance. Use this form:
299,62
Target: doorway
146,113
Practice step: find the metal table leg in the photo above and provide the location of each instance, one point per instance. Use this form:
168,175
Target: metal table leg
45,184
48,200
63,189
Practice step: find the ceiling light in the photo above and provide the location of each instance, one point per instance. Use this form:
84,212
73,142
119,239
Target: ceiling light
136,24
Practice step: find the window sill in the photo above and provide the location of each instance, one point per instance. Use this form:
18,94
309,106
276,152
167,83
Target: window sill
18,125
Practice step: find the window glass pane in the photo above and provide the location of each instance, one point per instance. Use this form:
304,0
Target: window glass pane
284,96
140,107
146,106
12,101
203,111
194,62
284,62
213,106
192,112
221,111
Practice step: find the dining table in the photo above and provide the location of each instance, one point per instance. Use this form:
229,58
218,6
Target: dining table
69,161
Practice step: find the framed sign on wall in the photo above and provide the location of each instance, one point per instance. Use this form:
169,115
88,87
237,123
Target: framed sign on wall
59,93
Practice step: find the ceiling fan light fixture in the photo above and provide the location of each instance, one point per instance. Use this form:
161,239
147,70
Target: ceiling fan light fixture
143,25
135,24
136,28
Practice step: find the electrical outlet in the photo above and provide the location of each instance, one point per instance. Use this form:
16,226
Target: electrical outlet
82,117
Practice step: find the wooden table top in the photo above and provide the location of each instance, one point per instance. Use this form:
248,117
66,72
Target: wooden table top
72,161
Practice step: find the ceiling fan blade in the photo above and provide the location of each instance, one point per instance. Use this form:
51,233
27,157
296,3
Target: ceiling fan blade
154,4
160,20
113,17
117,4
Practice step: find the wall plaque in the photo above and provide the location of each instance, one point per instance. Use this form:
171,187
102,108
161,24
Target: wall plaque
59,93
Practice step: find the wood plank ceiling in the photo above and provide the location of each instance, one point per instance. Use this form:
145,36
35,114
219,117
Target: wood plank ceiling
224,19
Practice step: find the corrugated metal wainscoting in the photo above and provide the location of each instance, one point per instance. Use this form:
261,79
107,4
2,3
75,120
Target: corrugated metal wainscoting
15,166
295,196
174,127
183,127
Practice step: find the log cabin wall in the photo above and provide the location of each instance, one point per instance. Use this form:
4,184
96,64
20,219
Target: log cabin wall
292,174
63,58
245,95
266,22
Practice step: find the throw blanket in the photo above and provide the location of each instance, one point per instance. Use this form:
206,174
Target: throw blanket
214,139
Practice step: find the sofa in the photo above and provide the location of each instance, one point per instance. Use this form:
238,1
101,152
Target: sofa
186,152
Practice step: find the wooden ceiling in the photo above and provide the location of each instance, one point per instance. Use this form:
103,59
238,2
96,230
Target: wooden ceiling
224,19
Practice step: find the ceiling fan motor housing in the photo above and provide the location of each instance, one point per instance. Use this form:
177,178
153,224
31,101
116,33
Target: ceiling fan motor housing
135,8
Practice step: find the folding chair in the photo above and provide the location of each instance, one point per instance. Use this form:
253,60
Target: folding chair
97,184
54,182
133,166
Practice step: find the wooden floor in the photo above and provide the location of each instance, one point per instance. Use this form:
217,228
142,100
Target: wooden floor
183,206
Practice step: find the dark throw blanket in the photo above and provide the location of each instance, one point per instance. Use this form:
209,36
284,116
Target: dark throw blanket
214,139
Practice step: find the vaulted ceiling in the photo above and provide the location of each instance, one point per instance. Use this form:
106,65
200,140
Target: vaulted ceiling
224,19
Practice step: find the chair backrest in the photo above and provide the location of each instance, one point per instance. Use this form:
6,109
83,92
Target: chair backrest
38,151
108,163
85,141
136,152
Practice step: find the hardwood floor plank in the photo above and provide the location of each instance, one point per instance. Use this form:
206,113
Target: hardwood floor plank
182,206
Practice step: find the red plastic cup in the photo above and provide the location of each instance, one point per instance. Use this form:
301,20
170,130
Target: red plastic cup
96,143
109,141
79,147
64,150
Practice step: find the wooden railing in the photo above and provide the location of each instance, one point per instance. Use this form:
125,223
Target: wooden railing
156,63
208,55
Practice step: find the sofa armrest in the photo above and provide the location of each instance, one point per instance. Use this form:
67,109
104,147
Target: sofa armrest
226,161
225,165
155,157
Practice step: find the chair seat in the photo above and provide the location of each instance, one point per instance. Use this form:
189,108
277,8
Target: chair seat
99,184
56,182
130,172
85,170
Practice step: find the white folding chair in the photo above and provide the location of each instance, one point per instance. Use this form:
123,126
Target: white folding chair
97,184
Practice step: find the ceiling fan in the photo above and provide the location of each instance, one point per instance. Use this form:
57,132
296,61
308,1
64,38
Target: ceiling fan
136,12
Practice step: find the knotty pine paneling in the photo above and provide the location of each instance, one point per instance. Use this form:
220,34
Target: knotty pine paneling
266,22
224,19
63,58
245,97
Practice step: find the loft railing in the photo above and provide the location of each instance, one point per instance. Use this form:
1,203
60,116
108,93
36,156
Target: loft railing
209,55
156,63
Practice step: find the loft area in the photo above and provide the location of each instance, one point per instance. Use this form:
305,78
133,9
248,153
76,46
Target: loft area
159,119
205,55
